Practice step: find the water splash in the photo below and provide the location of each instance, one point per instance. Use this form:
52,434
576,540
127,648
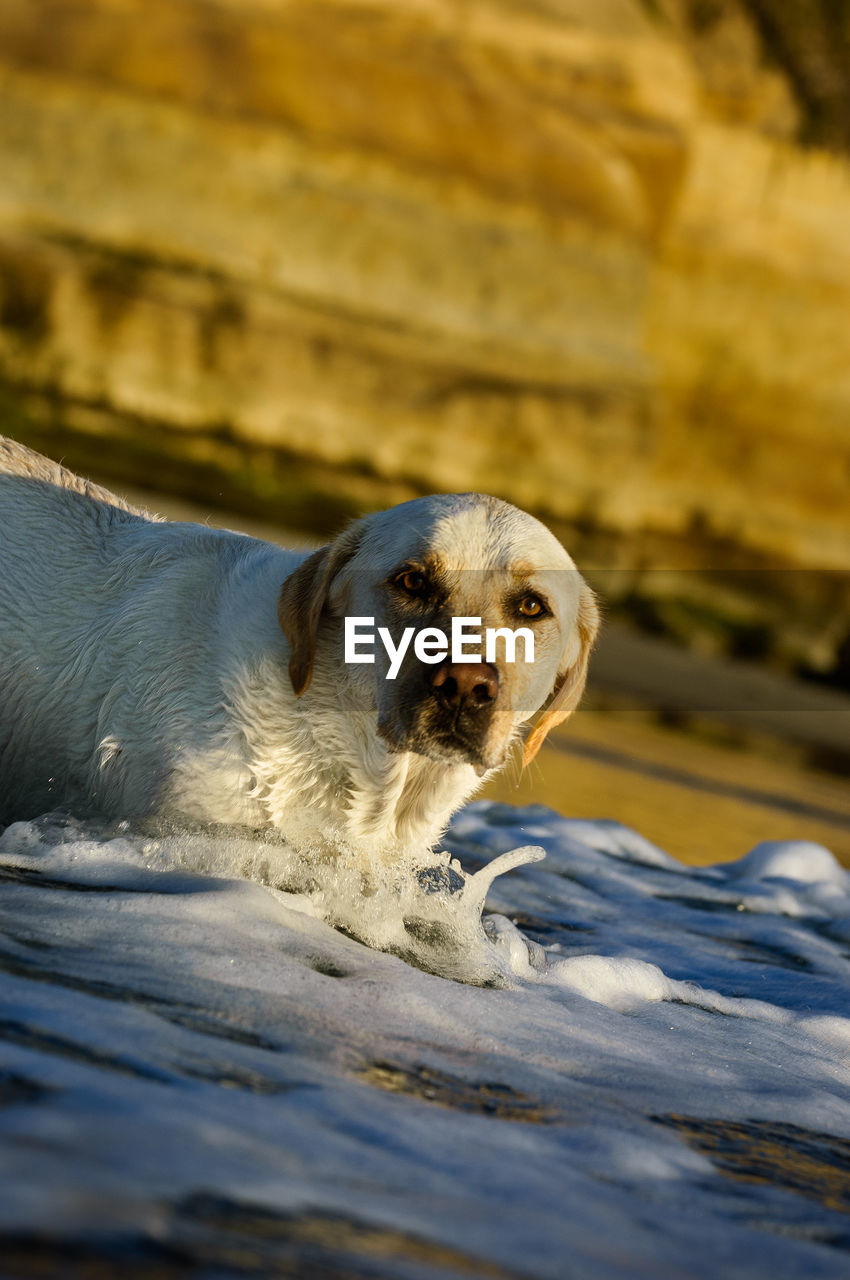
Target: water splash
431,915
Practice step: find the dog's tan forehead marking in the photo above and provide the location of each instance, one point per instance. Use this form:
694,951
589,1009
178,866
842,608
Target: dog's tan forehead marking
433,563
522,569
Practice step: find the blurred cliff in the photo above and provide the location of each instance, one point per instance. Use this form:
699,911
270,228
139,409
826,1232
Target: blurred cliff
305,257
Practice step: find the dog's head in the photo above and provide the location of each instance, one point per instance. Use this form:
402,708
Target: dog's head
416,570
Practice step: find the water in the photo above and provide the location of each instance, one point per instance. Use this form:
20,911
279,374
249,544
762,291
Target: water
626,1067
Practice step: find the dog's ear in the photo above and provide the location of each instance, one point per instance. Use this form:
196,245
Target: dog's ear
569,685
304,595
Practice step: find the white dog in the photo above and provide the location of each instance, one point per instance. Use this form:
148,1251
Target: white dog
149,667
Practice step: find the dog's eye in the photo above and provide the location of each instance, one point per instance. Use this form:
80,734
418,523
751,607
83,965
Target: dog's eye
412,581
532,607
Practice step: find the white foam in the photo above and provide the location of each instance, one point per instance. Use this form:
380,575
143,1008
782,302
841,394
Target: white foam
620,983
798,861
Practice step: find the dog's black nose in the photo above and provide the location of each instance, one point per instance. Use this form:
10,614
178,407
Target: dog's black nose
469,684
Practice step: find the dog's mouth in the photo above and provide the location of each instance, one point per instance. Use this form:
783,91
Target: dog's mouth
444,745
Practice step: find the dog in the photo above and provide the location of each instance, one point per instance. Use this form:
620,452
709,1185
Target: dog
155,668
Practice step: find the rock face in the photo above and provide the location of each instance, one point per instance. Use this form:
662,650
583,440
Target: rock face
568,251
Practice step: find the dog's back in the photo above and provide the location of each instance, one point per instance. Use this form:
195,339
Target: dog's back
17,460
